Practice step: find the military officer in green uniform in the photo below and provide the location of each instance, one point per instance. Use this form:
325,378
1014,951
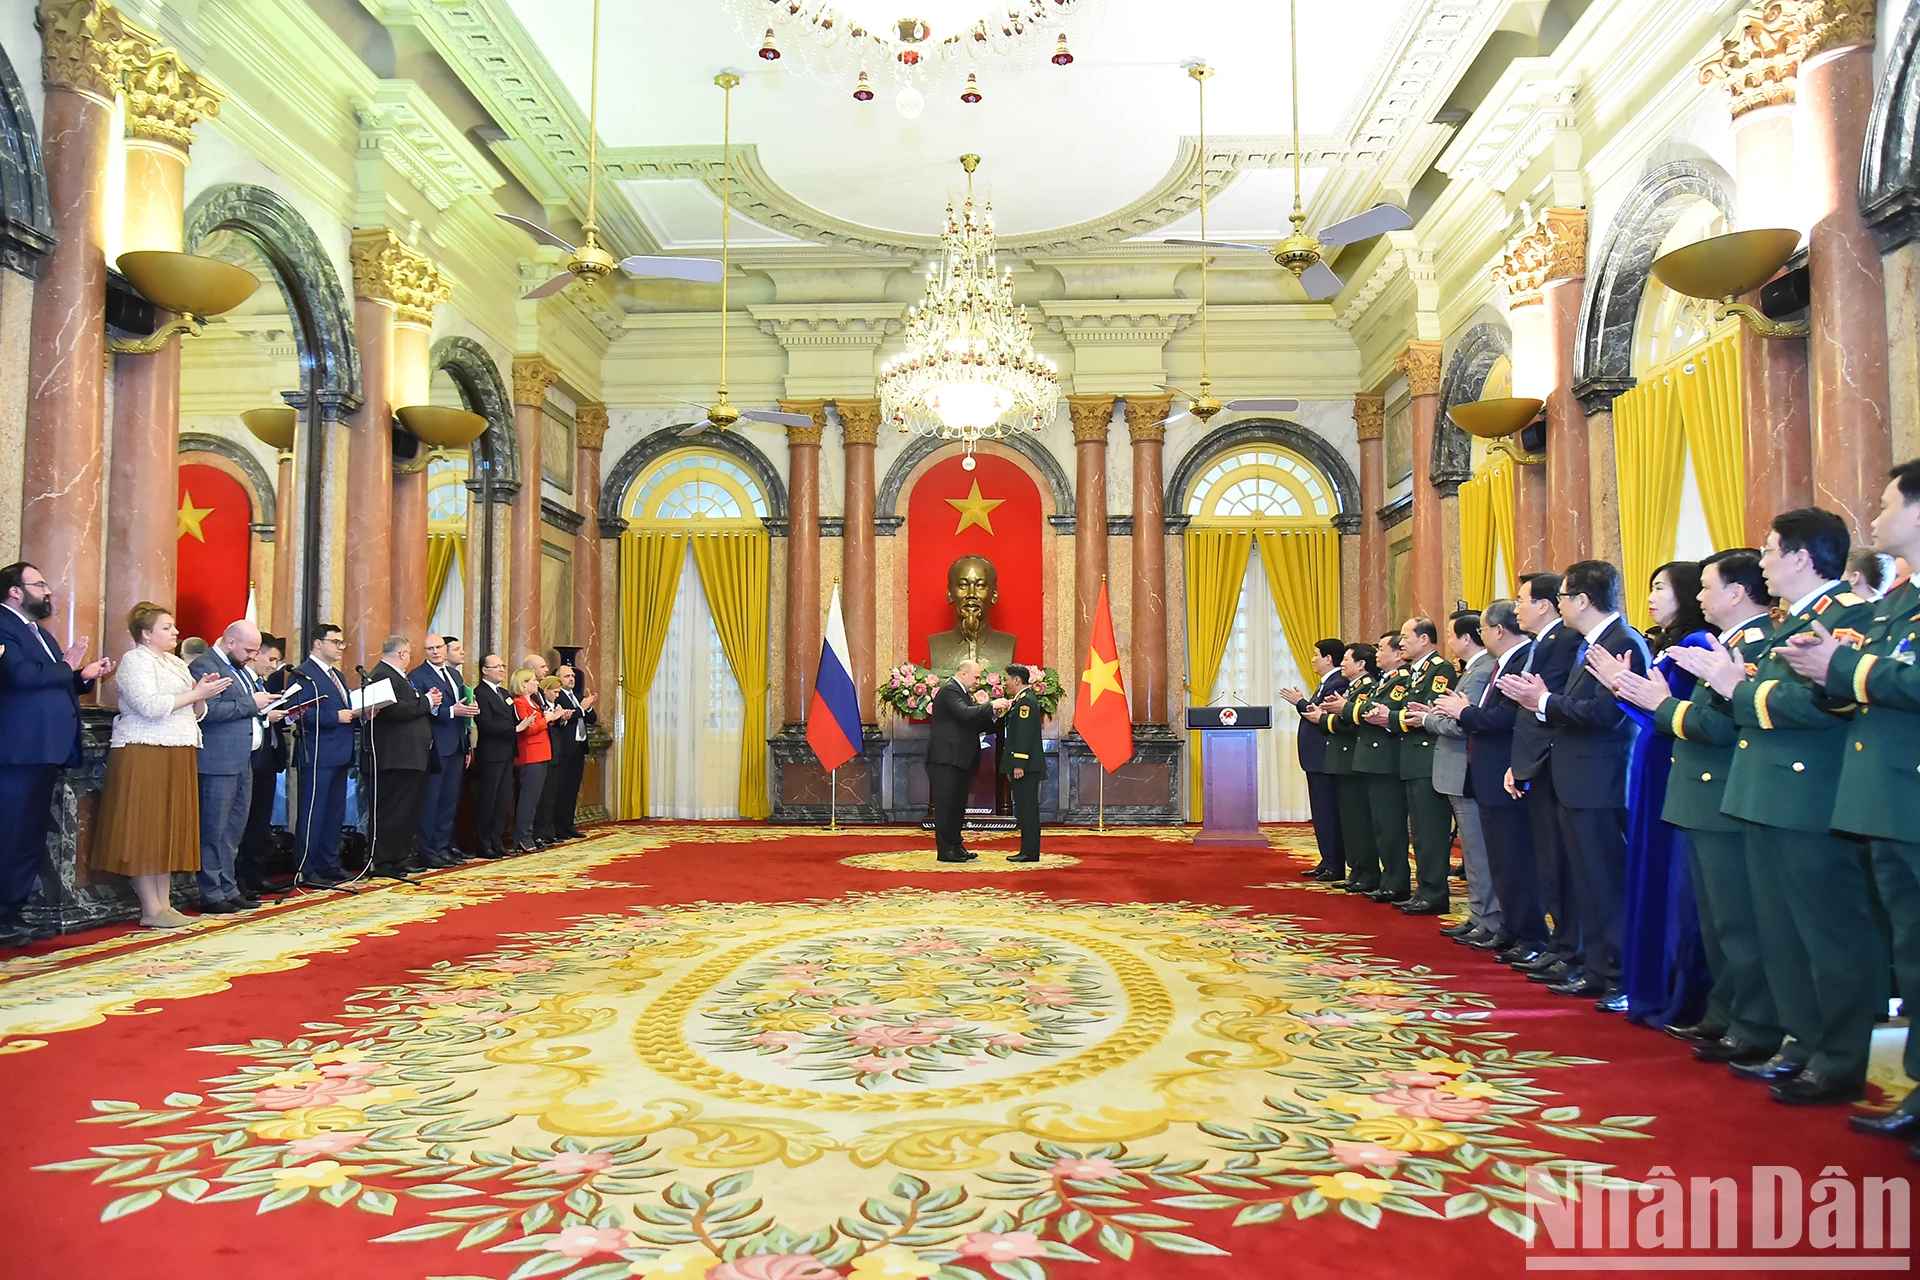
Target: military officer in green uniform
1740,1024
1879,793
1822,948
1377,756
1023,759
1343,740
1430,814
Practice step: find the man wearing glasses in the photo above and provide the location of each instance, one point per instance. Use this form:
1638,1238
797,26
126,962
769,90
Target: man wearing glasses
323,755
40,688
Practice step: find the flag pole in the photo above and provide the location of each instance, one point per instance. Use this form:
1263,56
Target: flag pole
833,797
1103,797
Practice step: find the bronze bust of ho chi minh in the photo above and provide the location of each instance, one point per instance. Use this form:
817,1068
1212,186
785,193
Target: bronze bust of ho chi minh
972,586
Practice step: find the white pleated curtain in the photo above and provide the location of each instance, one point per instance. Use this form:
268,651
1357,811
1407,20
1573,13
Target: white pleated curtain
694,715
449,611
1256,667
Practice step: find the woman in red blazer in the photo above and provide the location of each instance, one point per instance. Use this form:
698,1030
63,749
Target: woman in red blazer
532,752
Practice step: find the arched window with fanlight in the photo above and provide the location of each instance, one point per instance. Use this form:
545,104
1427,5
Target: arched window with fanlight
1263,584
447,543
695,604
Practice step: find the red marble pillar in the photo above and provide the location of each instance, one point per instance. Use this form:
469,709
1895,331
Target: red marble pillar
589,434
1421,364
1146,429
532,375
1092,419
804,607
61,517
1851,398
411,609
369,496
1369,419
859,433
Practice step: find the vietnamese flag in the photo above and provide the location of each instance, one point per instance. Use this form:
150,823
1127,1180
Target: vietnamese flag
1100,710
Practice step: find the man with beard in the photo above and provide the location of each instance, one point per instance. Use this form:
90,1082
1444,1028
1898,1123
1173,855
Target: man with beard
40,688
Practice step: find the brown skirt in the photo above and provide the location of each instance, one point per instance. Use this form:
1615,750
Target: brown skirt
149,818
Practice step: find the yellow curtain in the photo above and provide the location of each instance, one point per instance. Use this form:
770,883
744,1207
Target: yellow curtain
444,550
649,578
1476,541
1649,448
1713,414
1216,568
735,570
1499,478
1303,573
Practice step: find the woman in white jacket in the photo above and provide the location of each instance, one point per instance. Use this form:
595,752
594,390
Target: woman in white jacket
149,824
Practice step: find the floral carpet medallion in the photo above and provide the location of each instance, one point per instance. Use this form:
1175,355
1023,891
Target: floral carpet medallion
992,862
905,1084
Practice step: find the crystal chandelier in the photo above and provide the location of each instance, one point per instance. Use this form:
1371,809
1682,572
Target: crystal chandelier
919,44
969,372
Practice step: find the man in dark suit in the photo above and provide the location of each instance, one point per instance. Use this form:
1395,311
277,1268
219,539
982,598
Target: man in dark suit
401,734
1592,743
1023,758
493,754
232,730
256,841
452,740
1323,797
1549,657
569,739
1489,718
953,749
40,688
322,756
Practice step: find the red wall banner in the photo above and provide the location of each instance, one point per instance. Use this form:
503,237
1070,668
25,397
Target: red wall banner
216,540
936,540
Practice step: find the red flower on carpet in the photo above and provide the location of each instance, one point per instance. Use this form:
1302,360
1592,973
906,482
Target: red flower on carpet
1364,1153
581,1242
875,1064
326,1144
1091,1169
1336,969
1002,1246
317,1093
1388,1003
1052,997
774,1266
442,996
352,1070
787,1038
1424,1079
884,1037
1432,1104
523,964
573,1163
1010,1040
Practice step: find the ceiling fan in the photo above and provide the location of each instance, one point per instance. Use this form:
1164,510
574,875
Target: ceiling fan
1205,405
1301,253
720,413
589,262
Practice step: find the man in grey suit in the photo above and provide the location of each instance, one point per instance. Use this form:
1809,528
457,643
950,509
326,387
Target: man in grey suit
233,729
1484,927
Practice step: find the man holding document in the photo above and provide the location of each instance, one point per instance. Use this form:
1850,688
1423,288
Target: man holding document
401,737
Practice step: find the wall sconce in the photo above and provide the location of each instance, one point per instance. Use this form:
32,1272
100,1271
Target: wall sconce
1499,422
273,427
1721,268
190,286
441,429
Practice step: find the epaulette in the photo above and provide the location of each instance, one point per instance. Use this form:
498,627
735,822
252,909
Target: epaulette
1848,598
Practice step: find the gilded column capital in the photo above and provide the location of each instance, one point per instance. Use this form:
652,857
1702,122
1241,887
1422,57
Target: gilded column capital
1370,415
532,375
1553,248
1421,363
1833,24
859,421
816,430
1147,417
164,98
589,425
83,45
1092,417
1760,62
385,269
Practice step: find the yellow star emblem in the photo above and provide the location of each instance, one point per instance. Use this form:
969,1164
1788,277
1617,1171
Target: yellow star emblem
191,516
1101,676
975,509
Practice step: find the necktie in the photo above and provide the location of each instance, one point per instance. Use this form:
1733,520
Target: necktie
1580,658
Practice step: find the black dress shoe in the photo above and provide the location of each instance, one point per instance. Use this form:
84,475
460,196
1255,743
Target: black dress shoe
576,834
246,902
219,907
1551,975
1579,986
1518,954
1414,907
318,882
1391,898
1811,1089
1695,1033
1612,1004
1363,890
519,849
1895,1124
1730,1050
395,873
1460,930
954,858
1024,857
1767,1071
1542,961
1493,942
1336,884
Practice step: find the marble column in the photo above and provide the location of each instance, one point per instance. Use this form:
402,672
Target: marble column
62,508
1847,353
286,562
1369,420
1146,429
804,606
1420,362
410,381
1532,377
1092,418
532,375
859,433
1551,258
589,434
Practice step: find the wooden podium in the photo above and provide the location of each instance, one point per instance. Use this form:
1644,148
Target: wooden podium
1230,774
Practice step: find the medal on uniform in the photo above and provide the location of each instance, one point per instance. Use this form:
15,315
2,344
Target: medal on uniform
1903,652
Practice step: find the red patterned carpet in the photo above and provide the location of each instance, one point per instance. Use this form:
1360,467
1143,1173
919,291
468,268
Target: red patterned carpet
730,1052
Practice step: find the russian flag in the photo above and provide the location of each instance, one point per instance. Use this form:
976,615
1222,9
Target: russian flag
833,720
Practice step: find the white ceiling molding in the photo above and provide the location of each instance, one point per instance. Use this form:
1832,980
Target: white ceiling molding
1528,106
400,126
828,324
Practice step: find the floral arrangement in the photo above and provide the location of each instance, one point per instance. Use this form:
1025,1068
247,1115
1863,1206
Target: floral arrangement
909,689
